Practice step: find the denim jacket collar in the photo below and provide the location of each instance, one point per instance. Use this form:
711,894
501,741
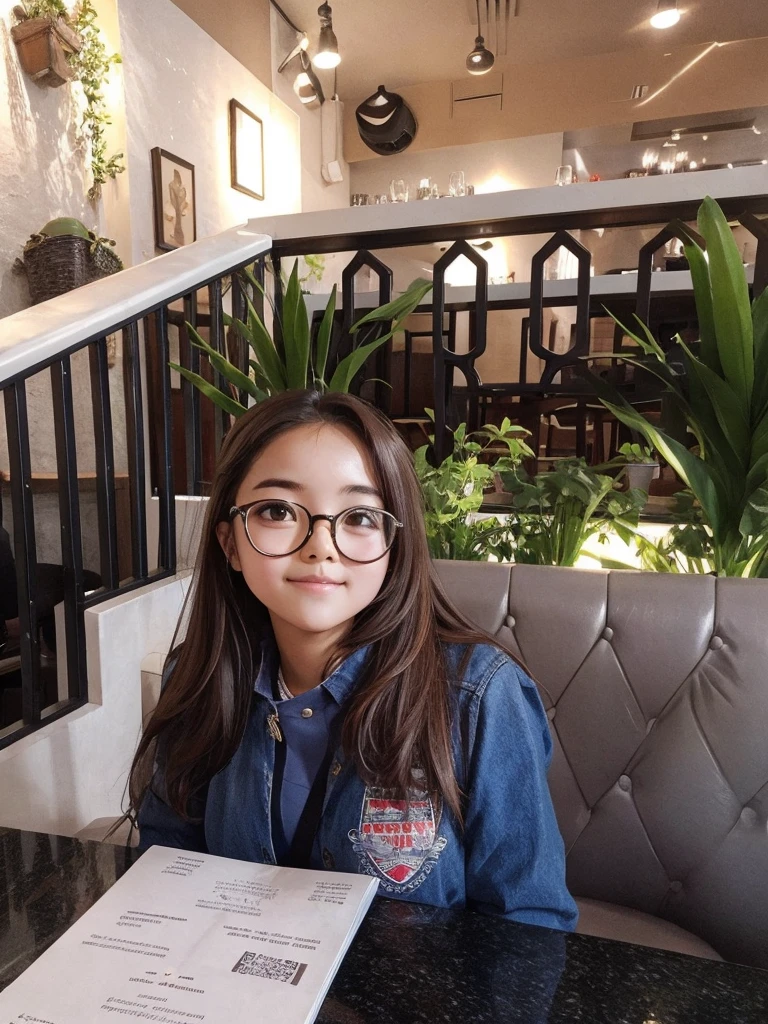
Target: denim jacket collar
341,683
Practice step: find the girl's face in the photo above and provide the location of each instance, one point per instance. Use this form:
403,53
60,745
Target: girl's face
314,590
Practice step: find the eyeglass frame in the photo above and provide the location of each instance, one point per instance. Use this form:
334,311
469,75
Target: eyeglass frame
243,510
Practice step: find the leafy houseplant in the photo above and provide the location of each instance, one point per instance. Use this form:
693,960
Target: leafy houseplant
453,491
641,467
556,512
300,361
723,397
73,51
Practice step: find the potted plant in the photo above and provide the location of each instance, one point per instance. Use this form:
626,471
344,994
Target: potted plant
723,397
64,255
57,47
454,490
300,361
45,38
557,511
641,467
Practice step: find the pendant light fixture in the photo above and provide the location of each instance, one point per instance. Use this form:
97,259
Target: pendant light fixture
480,60
666,14
327,55
306,86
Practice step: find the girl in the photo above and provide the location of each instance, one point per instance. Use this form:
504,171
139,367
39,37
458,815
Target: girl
329,707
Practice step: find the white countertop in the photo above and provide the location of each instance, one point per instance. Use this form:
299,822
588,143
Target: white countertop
533,202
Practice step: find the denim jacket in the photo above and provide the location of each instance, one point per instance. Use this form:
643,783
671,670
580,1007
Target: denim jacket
507,859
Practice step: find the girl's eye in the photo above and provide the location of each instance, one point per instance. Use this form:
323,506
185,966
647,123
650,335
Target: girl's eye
363,518
275,512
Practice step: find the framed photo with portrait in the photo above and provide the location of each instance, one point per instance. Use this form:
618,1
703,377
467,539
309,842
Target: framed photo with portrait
173,191
246,150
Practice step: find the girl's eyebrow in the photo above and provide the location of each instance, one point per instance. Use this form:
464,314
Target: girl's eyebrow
292,485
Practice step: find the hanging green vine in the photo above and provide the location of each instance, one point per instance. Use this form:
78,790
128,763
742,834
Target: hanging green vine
91,66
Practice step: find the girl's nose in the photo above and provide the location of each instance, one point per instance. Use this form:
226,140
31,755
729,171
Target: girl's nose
320,546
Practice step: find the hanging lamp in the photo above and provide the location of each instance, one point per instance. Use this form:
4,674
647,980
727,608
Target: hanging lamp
327,55
480,60
667,14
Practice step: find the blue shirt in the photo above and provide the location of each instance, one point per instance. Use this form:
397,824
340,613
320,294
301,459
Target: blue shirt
506,859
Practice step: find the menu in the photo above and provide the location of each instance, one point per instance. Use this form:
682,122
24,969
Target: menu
185,938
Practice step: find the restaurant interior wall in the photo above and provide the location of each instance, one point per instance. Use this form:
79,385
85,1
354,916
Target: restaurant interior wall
583,92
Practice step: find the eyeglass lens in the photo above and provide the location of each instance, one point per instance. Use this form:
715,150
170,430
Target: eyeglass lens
280,527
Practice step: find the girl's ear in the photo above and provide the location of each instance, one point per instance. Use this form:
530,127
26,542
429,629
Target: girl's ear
226,537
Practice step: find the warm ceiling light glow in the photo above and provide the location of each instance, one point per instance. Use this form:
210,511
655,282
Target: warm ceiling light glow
693,165
666,14
304,88
675,136
704,138
480,61
327,55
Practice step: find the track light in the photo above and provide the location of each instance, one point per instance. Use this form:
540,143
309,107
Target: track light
666,14
480,60
306,85
327,55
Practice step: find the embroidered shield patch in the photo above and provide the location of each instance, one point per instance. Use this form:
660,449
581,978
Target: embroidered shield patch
397,840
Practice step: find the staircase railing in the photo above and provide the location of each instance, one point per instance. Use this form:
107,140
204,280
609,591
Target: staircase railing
46,341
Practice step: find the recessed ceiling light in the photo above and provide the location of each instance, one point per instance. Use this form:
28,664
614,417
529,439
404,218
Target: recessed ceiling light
666,14
704,138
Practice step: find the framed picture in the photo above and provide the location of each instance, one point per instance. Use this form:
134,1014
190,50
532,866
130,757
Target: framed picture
246,150
173,190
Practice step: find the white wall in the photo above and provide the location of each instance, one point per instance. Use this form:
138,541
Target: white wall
44,171
62,777
178,84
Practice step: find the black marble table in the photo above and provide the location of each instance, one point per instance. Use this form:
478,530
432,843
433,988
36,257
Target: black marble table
411,964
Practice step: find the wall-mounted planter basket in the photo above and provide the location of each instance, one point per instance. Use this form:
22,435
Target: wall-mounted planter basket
43,45
58,264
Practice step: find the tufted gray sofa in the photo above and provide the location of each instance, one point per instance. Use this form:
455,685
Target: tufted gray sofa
656,688
657,693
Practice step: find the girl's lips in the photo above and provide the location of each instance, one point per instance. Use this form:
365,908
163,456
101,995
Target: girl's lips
317,584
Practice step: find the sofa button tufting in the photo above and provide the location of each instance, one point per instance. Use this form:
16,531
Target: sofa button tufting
749,816
625,783
675,886
509,622
716,643
607,633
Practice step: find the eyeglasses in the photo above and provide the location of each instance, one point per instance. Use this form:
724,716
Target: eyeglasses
276,528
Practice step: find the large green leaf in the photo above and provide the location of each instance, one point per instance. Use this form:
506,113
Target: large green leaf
227,370
206,388
760,439
692,470
730,302
726,405
345,372
754,521
324,338
295,332
399,308
758,475
264,350
760,330
702,290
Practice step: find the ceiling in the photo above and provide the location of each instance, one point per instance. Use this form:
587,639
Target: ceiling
407,42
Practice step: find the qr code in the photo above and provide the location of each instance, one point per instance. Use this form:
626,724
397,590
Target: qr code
270,967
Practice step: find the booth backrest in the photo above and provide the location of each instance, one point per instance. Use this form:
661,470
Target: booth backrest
656,688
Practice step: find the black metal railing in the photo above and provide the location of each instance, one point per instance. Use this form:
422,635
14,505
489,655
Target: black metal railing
125,562
173,434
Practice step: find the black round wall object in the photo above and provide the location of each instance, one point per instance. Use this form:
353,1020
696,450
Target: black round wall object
386,123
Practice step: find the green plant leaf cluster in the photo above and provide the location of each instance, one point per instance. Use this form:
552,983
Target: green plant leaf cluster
723,397
556,512
453,491
300,360
91,66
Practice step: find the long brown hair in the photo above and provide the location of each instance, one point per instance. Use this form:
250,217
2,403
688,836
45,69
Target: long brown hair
399,718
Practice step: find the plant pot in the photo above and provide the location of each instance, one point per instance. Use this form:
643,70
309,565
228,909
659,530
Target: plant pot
43,45
640,474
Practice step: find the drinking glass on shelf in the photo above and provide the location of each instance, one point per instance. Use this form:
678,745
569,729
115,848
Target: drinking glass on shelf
456,184
425,189
398,190
564,175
